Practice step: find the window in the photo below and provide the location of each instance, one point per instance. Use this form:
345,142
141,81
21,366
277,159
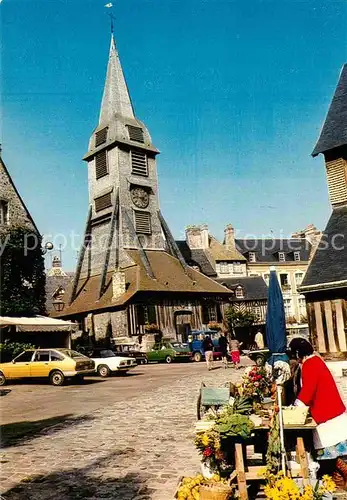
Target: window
281,256
135,133
4,212
56,356
266,277
143,222
302,307
100,137
296,255
224,267
252,257
139,163
146,314
239,292
298,278
287,307
101,164
24,357
209,314
336,176
103,202
284,280
237,268
257,312
42,356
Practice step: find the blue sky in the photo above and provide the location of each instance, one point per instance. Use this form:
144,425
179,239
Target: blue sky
234,94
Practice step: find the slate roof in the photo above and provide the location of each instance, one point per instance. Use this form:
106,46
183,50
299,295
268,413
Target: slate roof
196,257
329,263
52,284
334,131
266,250
254,287
169,278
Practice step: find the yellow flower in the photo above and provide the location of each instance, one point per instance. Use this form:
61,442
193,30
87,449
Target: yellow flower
205,439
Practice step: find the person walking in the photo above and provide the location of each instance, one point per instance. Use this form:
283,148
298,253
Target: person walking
223,346
319,392
207,347
235,351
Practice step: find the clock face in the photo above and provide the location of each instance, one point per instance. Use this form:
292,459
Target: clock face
140,197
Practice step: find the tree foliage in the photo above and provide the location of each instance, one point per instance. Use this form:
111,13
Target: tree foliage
22,273
235,318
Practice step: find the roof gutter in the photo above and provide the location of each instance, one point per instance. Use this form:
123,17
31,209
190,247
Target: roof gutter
323,286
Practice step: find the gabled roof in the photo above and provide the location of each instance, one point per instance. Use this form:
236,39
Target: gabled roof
329,263
267,250
169,277
196,257
6,178
222,252
116,98
334,131
254,287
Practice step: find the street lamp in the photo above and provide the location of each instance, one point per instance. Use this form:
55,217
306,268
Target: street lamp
48,246
58,305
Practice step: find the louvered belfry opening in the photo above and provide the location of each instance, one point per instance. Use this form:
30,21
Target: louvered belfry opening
135,133
139,164
337,181
101,164
100,137
143,222
103,202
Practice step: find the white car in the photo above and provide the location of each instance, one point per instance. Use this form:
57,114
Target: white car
107,362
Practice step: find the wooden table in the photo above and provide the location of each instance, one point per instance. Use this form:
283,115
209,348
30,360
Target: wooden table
255,473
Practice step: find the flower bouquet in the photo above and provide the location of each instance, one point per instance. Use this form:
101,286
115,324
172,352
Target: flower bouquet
281,487
256,384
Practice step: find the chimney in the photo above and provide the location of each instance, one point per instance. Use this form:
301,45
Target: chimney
118,284
229,238
197,237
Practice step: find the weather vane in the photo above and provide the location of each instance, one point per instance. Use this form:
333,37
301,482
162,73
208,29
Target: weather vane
112,17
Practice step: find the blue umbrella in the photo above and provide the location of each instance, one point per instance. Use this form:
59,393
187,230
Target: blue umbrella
276,323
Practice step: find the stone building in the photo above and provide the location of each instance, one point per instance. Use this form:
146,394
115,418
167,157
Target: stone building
244,265
325,283
130,271
226,265
13,211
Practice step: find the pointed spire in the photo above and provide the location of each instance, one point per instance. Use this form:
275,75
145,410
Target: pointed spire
334,131
116,98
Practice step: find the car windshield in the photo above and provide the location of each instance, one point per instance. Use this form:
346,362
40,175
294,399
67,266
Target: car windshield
72,354
105,353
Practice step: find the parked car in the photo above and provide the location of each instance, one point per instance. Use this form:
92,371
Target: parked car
108,362
168,352
129,351
55,364
196,345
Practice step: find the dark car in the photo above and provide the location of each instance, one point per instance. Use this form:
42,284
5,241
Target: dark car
129,351
196,344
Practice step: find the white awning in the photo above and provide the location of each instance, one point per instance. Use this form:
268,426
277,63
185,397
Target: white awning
37,324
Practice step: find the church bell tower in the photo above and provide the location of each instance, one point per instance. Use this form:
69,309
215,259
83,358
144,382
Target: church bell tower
122,179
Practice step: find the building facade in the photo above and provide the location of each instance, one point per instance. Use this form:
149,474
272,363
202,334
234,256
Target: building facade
131,273
325,283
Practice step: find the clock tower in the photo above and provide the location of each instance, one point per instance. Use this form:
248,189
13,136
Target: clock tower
122,178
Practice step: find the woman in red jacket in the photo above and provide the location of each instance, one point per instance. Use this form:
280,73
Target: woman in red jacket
319,392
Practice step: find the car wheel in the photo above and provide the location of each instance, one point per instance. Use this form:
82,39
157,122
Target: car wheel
197,357
168,359
2,379
103,371
57,378
145,361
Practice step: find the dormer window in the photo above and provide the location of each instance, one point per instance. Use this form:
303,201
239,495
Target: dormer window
135,133
252,257
296,256
239,294
281,256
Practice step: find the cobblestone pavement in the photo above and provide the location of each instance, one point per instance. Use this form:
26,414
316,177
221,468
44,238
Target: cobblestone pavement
132,449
